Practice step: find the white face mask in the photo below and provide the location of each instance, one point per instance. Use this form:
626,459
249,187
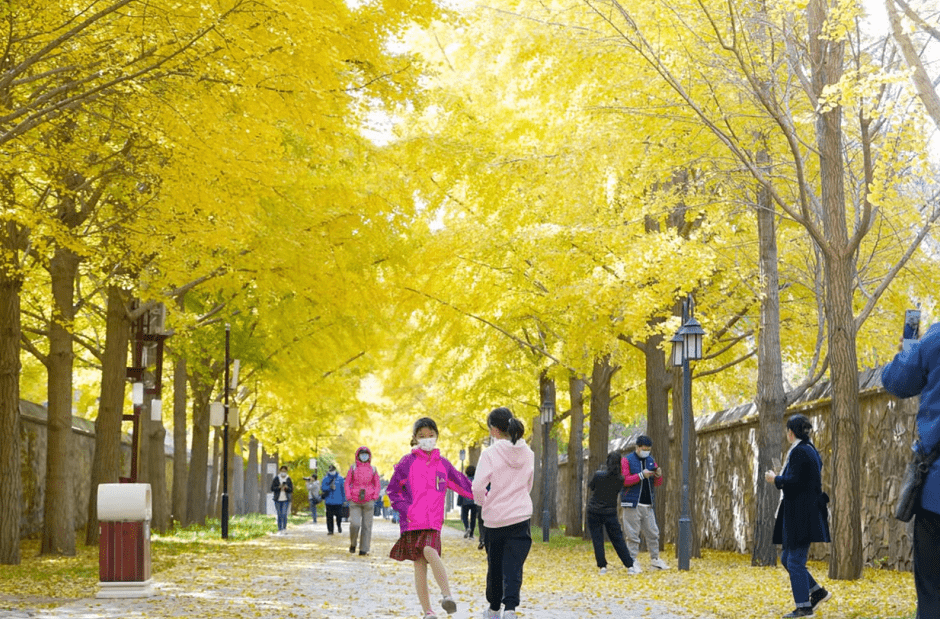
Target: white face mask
642,453
283,476
363,457
427,444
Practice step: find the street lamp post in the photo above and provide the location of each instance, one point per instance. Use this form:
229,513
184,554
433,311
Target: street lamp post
225,385
548,415
686,346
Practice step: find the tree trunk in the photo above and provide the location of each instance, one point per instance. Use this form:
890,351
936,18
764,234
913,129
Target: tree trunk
827,62
106,463
180,464
215,485
658,382
156,436
574,516
599,429
58,535
196,496
771,397
11,482
847,560
251,477
262,479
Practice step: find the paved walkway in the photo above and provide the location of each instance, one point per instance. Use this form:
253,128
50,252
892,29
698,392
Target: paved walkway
308,574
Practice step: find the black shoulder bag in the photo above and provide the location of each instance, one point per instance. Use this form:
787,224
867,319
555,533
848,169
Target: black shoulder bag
913,483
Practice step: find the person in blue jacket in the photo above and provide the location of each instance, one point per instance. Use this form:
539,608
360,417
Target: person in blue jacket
916,371
334,497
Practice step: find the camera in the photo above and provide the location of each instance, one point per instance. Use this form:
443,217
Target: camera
911,327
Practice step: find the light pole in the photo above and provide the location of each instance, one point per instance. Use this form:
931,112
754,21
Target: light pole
225,386
548,415
686,346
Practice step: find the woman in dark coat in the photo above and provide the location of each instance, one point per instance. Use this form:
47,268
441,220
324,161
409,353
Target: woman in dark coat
803,515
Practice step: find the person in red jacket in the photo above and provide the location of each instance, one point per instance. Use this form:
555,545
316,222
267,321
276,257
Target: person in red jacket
363,487
417,490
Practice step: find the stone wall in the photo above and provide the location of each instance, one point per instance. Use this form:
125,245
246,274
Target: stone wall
727,463
33,466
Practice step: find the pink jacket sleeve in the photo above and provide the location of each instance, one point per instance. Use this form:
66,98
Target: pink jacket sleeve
457,481
633,479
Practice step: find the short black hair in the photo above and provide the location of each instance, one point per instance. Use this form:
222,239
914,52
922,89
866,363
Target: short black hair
644,440
424,422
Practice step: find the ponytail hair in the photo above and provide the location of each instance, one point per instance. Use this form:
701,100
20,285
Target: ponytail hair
801,426
501,418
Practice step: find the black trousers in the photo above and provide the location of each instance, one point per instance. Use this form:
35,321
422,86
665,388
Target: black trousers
927,563
334,511
597,522
468,515
506,552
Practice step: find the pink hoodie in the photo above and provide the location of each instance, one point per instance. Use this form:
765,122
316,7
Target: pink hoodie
363,476
418,487
508,470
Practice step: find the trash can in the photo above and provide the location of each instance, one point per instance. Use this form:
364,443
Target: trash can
124,512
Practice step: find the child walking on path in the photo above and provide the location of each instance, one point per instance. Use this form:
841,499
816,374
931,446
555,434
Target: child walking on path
506,467
416,491
602,514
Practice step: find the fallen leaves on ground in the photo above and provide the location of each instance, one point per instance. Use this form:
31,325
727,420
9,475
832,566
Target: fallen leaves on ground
308,574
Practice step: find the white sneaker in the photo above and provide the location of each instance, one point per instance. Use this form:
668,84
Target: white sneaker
508,614
602,571
659,564
489,613
636,569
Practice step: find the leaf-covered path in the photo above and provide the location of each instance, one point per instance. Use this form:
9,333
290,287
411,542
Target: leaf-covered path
308,574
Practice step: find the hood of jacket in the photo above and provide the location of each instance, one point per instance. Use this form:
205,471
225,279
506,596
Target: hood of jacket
363,449
509,454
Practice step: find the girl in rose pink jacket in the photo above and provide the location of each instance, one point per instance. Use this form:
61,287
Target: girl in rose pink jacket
416,491
501,488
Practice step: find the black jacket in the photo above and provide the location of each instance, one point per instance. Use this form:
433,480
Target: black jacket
803,515
276,487
605,492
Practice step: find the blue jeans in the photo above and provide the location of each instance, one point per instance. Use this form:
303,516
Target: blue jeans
313,509
283,508
597,522
802,582
506,552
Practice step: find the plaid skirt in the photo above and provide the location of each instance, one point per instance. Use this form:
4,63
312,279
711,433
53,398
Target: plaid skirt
411,544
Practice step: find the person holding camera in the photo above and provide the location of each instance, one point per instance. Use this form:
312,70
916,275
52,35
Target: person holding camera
605,487
641,475
313,494
916,371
